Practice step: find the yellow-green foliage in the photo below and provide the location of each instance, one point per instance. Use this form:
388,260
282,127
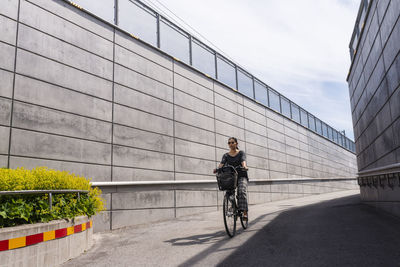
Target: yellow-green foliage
19,209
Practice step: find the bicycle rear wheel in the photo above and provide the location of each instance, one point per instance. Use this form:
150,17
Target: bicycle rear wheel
229,213
244,223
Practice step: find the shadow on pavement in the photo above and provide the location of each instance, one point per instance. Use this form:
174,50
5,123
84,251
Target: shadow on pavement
340,232
197,239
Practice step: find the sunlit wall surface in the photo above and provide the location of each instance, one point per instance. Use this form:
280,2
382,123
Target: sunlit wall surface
140,20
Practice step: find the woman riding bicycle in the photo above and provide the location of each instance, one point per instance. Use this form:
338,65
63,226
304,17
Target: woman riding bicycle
236,157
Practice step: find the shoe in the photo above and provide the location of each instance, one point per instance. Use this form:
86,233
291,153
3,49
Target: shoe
244,216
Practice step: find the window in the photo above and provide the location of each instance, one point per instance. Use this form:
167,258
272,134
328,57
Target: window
318,126
245,83
174,41
226,72
274,102
335,136
102,8
340,139
304,118
330,133
311,122
295,112
261,92
203,58
324,130
285,104
138,20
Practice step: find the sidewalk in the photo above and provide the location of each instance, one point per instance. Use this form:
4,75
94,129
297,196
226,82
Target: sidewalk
201,239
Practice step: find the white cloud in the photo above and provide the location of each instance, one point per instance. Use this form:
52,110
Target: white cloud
300,48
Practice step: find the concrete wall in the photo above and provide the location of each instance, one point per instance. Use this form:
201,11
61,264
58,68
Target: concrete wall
374,80
79,95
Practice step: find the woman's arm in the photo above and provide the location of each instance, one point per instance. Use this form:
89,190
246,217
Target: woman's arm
244,165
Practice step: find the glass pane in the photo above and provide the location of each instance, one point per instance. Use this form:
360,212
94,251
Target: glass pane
245,84
203,59
319,126
330,133
285,107
304,119
226,73
137,20
325,130
340,139
261,93
101,8
274,100
335,136
311,122
295,112
174,42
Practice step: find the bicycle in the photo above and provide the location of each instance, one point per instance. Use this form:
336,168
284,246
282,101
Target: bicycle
227,181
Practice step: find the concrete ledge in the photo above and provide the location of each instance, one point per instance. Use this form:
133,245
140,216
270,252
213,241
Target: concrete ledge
45,244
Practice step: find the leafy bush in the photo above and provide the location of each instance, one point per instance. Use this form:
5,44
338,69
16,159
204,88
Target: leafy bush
22,209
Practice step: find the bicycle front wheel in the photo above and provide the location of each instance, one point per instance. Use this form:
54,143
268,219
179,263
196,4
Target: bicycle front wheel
244,223
229,213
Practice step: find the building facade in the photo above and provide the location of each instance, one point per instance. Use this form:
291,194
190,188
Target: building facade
373,80
79,93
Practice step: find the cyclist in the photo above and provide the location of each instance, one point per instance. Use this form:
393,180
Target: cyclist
236,157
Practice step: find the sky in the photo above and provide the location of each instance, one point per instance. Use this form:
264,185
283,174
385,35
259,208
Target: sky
299,48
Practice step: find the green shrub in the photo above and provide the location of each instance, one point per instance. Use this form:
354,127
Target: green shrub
22,209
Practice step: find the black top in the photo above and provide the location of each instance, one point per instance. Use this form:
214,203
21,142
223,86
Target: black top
235,161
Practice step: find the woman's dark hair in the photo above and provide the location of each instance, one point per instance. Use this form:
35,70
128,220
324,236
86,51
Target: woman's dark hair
234,139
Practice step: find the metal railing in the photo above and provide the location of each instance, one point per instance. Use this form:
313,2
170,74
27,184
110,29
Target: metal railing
49,192
144,23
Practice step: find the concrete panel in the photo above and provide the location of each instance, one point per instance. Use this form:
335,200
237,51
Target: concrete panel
257,174
143,200
259,198
180,212
50,47
123,218
192,103
187,148
293,171
276,155
137,47
277,166
138,100
101,222
291,133
256,150
127,136
32,144
255,127
256,139
254,106
41,93
140,119
191,165
8,31
64,10
228,104
98,173
56,73
5,111
7,56
271,124
3,161
9,8
190,87
272,115
290,124
191,176
272,144
293,160
6,83
292,151
132,157
142,65
261,163
259,187
222,141
277,136
193,118
229,117
52,121
142,83
255,116
279,191
194,134
195,76
191,198
132,174
4,137
227,92
229,130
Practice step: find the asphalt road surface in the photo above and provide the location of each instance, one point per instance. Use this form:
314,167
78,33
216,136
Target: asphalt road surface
325,230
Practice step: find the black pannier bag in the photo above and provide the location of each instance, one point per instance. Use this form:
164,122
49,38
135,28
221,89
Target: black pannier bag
227,179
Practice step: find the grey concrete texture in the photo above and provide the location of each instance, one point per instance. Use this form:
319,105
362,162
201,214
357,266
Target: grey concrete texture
331,230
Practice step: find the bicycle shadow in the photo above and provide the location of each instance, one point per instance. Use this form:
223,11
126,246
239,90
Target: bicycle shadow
197,239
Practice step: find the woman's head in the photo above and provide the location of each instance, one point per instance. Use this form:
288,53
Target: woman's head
233,143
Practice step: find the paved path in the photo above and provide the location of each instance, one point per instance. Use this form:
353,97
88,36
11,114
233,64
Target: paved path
325,230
